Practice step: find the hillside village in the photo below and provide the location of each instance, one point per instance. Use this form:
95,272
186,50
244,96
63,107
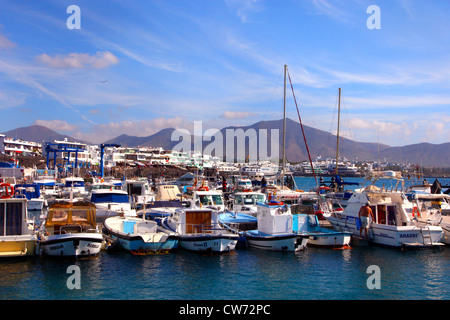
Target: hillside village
144,161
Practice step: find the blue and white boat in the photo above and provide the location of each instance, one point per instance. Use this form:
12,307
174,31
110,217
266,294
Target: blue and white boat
198,230
139,236
307,226
275,229
31,191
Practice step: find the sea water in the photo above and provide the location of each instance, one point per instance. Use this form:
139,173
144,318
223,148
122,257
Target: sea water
246,274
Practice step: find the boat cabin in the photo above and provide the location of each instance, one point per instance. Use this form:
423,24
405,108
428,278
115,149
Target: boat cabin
13,217
71,217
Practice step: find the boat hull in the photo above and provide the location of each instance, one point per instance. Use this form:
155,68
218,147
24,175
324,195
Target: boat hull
77,245
17,246
209,243
329,240
393,236
151,241
279,242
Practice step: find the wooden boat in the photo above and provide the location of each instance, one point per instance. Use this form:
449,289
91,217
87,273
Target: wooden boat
70,230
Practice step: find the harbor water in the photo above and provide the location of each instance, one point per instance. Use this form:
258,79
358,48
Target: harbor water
246,274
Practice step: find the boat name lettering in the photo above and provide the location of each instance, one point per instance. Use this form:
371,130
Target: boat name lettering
201,244
408,235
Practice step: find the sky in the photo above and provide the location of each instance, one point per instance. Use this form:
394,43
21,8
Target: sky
135,67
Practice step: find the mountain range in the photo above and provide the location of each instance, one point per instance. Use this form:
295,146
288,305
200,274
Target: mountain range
320,143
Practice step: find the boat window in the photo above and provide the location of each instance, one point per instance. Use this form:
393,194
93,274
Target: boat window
79,216
58,216
217,199
13,219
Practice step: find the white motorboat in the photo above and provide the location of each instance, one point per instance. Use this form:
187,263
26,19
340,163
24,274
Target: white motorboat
433,209
111,202
198,230
74,186
139,236
395,224
70,231
246,202
17,235
275,230
139,191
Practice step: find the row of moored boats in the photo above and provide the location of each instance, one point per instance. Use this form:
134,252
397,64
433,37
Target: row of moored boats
144,218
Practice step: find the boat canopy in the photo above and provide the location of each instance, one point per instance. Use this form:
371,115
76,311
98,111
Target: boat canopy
63,213
109,197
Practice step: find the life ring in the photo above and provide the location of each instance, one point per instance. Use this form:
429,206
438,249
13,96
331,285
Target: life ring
9,190
416,212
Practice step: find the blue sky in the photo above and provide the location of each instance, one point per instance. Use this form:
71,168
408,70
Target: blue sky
136,67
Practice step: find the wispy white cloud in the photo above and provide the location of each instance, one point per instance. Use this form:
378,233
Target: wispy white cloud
245,8
5,43
18,73
236,114
57,125
79,60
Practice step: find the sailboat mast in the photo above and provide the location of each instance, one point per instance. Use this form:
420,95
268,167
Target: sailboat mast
284,129
339,119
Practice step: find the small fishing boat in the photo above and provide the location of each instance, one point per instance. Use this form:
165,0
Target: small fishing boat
111,202
198,230
307,226
70,230
74,186
275,229
139,236
31,191
17,235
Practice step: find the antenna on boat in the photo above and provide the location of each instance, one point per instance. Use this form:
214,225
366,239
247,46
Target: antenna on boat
337,135
284,129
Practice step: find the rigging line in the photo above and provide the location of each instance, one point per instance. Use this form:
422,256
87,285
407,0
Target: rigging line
303,131
273,93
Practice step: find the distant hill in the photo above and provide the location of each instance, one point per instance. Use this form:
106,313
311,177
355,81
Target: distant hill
320,143
37,134
425,154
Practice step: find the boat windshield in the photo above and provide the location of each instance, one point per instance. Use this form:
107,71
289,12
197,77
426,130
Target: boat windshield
249,199
214,199
109,197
